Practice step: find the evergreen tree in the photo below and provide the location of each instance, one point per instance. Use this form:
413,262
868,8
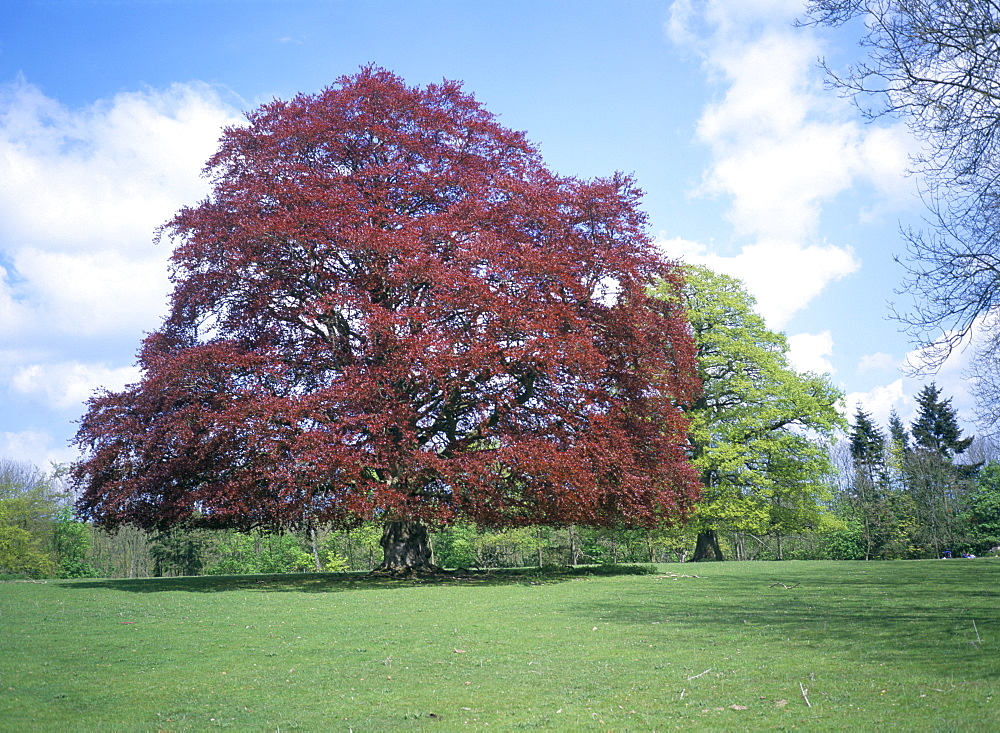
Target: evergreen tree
936,427
868,500
898,436
867,441
935,483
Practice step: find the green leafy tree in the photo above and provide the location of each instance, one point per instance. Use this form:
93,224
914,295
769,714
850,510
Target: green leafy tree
71,539
30,501
244,553
982,511
21,553
757,430
181,551
354,549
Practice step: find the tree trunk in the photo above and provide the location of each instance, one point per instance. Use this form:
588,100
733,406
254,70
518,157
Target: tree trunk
406,549
315,549
574,552
707,547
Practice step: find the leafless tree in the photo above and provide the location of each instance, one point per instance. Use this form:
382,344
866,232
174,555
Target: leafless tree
936,65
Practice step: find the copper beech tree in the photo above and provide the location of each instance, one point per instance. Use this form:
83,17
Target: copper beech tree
389,309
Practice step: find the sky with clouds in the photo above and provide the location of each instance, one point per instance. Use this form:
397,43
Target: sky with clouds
109,109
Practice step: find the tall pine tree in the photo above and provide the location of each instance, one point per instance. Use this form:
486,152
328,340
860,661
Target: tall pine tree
898,436
936,427
867,441
936,484
868,451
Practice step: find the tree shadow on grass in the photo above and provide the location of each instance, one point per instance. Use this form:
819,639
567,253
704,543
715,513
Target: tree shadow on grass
341,582
908,616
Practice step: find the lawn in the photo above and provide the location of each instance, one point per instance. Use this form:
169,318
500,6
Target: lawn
900,645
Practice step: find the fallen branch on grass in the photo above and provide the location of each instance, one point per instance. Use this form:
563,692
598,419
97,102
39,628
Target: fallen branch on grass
804,696
699,675
786,587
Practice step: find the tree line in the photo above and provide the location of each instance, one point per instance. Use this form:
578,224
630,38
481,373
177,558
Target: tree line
890,493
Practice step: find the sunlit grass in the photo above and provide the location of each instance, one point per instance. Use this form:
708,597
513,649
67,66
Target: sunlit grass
905,645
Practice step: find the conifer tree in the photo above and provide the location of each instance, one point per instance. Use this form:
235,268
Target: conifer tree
936,427
936,484
898,436
867,441
868,451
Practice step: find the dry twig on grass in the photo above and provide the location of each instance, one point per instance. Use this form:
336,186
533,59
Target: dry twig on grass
804,696
786,587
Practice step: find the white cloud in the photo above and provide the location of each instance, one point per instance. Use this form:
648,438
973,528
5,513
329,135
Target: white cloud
878,361
880,401
105,174
90,293
782,148
783,276
951,376
68,385
84,191
35,447
808,352
901,393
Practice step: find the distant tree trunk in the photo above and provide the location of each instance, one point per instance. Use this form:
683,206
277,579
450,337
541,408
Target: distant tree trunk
315,548
739,543
406,549
707,547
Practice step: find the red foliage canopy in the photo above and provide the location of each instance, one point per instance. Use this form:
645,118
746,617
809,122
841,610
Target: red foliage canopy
389,308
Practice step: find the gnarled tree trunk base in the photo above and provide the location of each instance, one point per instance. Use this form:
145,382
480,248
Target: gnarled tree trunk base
406,551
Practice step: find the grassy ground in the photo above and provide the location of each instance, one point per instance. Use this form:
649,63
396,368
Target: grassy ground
903,645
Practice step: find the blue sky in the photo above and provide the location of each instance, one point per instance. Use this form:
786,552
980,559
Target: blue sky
109,108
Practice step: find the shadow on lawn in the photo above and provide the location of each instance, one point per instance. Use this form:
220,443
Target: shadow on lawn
894,613
340,582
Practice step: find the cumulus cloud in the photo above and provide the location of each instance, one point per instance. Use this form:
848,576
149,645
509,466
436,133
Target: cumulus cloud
900,395
881,400
82,192
782,148
878,361
809,352
99,176
68,385
34,446
783,276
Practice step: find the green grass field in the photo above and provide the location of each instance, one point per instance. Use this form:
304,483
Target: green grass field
870,646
